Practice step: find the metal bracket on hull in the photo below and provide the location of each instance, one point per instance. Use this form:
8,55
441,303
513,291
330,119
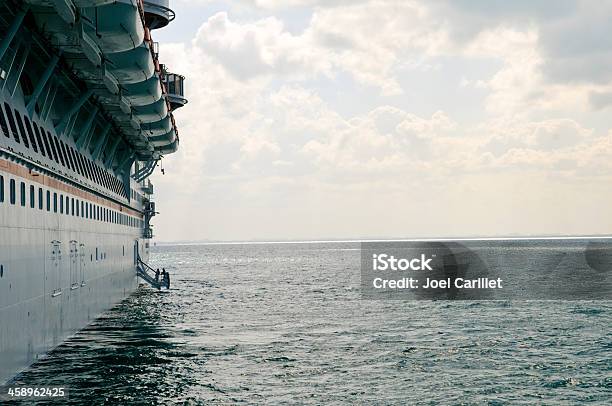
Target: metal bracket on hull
102,141
42,82
111,154
8,38
145,171
16,73
82,139
59,128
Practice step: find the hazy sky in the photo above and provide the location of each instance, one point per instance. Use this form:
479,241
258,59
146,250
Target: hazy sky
319,119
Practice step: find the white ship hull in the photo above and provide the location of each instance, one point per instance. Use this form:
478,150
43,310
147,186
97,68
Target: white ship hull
86,114
58,271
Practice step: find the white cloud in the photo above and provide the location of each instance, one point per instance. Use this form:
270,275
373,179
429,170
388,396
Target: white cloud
266,150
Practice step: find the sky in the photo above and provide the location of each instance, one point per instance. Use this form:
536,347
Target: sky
338,119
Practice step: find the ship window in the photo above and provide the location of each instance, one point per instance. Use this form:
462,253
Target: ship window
40,199
82,160
77,207
61,200
50,139
45,138
65,155
79,159
93,171
86,210
72,163
48,201
1,188
24,137
88,167
96,173
11,120
32,197
12,190
82,209
59,150
72,205
67,205
30,133
3,124
76,161
39,138
55,202
22,194
96,253
68,156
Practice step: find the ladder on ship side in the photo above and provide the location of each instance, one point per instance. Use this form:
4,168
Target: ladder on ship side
142,269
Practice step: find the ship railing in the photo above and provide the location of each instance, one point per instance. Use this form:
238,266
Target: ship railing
175,90
147,188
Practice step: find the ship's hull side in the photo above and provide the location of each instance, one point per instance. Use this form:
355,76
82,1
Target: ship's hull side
61,264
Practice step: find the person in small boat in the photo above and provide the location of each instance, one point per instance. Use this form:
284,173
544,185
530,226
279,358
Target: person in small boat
157,275
166,278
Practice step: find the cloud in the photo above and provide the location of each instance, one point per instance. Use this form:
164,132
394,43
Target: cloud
269,149
600,99
260,48
547,135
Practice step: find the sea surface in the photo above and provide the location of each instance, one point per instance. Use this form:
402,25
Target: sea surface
286,324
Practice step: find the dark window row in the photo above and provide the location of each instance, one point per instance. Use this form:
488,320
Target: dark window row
43,142
63,204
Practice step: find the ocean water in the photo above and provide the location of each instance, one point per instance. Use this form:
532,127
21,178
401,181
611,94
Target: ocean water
286,324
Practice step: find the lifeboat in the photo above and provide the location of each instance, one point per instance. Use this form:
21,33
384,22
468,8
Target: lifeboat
157,128
162,140
168,149
143,93
131,66
151,112
116,27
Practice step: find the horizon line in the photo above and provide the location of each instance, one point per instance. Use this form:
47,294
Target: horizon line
358,240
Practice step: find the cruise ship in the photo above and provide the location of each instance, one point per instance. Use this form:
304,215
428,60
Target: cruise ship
86,115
